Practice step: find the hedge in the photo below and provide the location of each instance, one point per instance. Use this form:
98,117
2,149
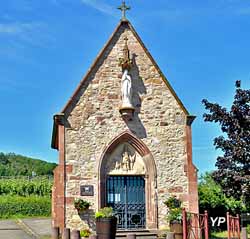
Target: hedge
11,206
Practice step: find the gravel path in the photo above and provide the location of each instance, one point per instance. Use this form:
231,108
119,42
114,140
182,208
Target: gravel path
33,228
9,229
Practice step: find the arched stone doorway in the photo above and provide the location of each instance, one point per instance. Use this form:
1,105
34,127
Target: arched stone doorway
127,158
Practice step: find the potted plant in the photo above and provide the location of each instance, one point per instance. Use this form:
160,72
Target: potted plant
85,233
105,223
174,216
81,205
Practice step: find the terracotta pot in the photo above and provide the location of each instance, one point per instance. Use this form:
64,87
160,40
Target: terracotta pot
106,228
176,227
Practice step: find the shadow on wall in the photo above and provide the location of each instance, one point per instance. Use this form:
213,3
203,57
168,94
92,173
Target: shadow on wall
89,218
90,76
136,126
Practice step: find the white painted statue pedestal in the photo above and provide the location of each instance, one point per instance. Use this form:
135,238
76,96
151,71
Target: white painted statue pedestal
127,112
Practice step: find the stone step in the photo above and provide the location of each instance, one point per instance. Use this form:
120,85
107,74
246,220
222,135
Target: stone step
142,234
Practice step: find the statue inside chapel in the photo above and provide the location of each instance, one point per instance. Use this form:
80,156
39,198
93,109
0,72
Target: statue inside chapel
126,81
128,161
126,89
125,160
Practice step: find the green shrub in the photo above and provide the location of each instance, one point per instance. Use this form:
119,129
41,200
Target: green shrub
85,233
24,206
212,198
106,212
81,205
175,215
248,229
173,202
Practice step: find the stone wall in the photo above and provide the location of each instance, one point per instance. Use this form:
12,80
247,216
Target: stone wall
93,120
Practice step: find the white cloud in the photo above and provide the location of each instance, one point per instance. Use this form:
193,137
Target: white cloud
100,6
20,35
15,28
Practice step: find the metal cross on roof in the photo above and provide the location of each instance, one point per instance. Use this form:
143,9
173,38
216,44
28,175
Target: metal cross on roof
124,8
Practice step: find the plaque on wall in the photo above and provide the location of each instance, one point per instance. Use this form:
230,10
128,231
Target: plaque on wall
87,190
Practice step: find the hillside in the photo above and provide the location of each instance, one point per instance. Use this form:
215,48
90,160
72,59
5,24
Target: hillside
18,165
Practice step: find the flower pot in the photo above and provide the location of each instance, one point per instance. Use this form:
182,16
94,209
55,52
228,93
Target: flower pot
176,227
82,210
106,228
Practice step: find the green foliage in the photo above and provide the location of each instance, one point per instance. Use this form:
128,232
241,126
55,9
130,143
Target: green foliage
175,215
17,165
23,187
175,210
106,212
172,203
212,198
81,205
3,159
24,206
233,167
218,235
85,233
248,229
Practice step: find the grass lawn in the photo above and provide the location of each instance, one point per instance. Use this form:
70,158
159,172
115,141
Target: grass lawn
215,235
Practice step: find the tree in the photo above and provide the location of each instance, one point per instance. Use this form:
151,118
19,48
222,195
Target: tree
17,165
233,168
3,159
212,198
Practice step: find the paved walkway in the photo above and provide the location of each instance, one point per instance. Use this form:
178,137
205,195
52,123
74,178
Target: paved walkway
34,228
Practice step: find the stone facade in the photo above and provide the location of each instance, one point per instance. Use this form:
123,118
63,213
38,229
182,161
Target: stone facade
92,120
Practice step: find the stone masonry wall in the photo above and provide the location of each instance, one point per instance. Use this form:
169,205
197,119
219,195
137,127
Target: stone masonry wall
94,120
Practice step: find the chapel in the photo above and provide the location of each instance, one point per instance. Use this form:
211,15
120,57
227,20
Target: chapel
124,140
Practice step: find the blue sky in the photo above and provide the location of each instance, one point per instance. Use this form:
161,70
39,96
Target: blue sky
47,46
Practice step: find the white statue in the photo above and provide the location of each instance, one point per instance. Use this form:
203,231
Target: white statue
126,161
126,89
132,161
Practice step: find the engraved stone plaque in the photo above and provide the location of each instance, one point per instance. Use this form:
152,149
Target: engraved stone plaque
87,190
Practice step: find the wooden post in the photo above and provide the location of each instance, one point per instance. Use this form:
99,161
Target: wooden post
244,232
184,223
170,235
55,233
75,234
66,233
238,225
206,224
228,226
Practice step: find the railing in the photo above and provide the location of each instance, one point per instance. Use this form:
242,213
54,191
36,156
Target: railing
233,226
195,225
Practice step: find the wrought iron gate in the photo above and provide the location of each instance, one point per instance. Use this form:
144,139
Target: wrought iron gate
126,195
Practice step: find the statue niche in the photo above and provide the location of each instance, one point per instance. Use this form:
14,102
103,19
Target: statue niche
125,160
125,62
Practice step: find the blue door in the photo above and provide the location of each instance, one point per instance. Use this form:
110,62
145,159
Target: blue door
126,195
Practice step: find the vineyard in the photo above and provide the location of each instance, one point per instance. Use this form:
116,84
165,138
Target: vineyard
39,186
21,197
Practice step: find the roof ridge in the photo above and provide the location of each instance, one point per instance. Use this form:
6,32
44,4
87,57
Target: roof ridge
122,21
